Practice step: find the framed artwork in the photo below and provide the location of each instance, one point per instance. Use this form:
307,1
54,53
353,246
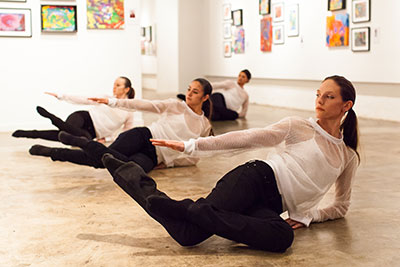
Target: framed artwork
336,5
239,40
266,34
360,39
58,18
15,22
265,7
142,31
148,34
105,14
227,29
237,16
293,20
278,31
277,12
337,30
361,11
226,12
227,49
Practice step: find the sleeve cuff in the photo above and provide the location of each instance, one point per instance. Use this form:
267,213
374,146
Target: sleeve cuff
112,102
189,146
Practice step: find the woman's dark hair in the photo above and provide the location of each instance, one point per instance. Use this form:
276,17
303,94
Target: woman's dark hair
131,92
349,126
207,90
248,74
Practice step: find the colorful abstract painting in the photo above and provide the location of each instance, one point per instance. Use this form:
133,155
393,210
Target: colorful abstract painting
336,4
239,40
337,30
59,18
293,20
361,11
266,34
264,7
15,22
105,14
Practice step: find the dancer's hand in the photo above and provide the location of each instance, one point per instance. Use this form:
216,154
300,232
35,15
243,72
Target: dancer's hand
52,94
176,145
99,100
101,140
294,224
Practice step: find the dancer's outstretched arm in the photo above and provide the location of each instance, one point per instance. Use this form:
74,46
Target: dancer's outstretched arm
175,145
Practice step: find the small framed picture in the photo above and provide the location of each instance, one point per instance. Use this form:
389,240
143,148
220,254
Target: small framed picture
227,48
293,20
57,18
277,12
265,7
227,29
361,11
15,22
360,39
148,33
226,12
336,5
142,31
278,34
237,16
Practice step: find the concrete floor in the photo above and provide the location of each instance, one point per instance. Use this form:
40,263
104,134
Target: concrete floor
59,214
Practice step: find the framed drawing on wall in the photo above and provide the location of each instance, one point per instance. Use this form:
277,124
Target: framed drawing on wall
15,22
277,12
237,16
278,34
336,5
227,49
293,20
227,29
361,11
264,7
148,34
360,39
59,18
226,12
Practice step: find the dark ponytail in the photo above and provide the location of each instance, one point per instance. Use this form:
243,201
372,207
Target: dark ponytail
349,126
207,90
128,84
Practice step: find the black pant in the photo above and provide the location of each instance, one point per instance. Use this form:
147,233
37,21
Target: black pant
220,111
244,206
78,123
132,145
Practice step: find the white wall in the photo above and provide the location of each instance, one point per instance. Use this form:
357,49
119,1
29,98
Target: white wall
85,63
289,75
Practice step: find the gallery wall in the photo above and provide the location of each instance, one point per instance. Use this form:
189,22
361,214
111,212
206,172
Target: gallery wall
288,75
86,63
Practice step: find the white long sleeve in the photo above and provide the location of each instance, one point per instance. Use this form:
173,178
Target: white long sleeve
308,161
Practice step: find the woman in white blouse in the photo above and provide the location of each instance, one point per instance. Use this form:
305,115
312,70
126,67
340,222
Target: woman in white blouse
179,121
246,204
99,122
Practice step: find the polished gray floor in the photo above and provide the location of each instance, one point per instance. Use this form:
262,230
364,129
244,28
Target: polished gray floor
59,214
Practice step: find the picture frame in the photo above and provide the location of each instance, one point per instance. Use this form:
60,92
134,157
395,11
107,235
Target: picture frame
360,39
148,33
239,40
361,11
227,30
227,48
278,32
278,12
237,16
15,22
334,5
142,31
264,7
59,18
293,20
226,12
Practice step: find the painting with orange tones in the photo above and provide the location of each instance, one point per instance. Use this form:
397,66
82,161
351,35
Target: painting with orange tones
105,14
337,30
266,34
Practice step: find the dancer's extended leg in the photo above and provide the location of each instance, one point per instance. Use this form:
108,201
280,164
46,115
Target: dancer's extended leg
51,135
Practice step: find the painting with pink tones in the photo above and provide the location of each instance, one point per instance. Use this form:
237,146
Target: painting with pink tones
239,40
266,34
337,30
105,14
15,22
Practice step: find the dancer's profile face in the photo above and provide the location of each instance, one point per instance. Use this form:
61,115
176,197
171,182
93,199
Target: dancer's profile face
242,79
195,94
119,89
329,103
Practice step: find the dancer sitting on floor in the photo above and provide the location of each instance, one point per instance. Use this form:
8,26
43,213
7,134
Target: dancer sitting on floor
99,122
246,203
230,101
179,120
